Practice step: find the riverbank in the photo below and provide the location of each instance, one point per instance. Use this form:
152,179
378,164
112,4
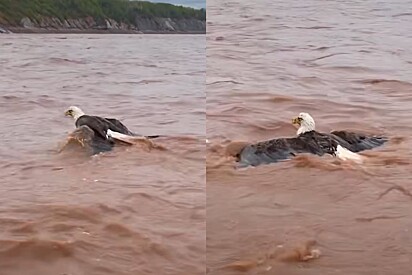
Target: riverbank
89,31
90,25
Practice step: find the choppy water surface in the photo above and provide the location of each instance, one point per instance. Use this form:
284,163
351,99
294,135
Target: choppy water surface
348,64
129,211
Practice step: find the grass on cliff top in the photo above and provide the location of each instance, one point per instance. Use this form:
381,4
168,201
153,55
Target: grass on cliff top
126,11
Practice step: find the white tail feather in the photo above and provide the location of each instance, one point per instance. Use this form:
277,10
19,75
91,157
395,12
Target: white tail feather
119,136
346,154
123,137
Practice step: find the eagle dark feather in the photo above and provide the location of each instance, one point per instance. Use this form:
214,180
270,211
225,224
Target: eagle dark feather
98,124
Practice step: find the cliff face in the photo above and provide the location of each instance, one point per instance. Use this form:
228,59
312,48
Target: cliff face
89,24
173,25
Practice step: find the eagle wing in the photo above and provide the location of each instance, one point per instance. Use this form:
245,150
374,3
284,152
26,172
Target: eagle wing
357,142
285,148
119,127
116,126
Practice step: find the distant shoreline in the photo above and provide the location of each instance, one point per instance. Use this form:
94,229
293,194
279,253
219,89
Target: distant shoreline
102,16
141,25
89,31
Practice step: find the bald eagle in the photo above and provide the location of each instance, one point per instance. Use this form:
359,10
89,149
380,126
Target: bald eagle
98,132
341,144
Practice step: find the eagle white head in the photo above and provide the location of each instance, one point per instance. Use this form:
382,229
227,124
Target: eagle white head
74,112
306,123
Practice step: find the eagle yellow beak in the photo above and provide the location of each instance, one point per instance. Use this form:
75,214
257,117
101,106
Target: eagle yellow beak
68,113
296,120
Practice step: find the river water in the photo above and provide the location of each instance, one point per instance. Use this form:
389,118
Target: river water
348,64
128,211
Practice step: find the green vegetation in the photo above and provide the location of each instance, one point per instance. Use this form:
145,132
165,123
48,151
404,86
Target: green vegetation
120,10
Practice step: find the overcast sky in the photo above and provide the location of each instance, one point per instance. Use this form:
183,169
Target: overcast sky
190,3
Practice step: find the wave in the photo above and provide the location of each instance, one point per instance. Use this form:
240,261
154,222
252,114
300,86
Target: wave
37,249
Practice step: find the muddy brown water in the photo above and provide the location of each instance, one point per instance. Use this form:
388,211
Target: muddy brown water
348,64
128,211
